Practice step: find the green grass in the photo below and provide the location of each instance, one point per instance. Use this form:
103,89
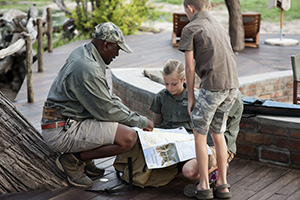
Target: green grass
272,14
23,5
178,2
260,6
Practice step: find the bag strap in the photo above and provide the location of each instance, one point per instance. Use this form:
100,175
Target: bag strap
112,189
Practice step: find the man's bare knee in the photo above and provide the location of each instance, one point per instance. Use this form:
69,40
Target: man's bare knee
130,139
125,137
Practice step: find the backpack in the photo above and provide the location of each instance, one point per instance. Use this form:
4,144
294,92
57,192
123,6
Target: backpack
253,106
141,175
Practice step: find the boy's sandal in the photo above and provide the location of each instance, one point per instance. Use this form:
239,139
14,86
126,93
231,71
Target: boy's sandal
212,184
222,195
191,191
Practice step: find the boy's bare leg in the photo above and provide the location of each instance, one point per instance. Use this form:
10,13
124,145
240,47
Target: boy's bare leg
202,160
221,151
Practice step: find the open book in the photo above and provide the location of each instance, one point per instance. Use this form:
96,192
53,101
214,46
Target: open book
166,147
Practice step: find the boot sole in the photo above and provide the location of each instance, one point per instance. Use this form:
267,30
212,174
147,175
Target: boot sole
77,184
60,167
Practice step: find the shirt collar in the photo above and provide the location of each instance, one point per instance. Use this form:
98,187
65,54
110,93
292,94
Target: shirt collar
96,55
180,97
201,15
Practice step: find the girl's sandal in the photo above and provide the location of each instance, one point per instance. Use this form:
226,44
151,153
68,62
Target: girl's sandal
222,195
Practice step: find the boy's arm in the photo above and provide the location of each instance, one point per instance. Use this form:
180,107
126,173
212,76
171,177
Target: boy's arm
190,78
157,119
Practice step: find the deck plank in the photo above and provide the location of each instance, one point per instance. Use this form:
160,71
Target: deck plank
284,177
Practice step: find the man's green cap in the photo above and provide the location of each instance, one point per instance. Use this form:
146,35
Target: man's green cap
111,33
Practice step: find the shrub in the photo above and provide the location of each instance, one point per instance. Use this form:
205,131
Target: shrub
126,14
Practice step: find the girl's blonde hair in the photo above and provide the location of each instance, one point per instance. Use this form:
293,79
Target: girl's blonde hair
172,66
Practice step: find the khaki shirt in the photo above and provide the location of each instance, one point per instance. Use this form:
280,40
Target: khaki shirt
214,58
173,110
80,91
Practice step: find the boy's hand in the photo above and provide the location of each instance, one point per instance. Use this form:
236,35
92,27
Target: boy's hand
150,126
191,104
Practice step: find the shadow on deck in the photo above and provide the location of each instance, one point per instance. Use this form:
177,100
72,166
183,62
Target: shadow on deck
248,179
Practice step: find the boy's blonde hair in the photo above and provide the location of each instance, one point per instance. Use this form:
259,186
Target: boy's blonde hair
198,4
172,66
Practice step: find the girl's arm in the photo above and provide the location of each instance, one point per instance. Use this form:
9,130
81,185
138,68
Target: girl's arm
157,119
190,78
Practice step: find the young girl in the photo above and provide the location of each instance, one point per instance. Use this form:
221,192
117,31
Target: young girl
170,104
170,111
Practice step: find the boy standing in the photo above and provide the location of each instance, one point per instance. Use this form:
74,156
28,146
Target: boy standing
205,41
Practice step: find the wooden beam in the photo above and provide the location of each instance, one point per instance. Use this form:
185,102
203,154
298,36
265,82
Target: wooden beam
19,44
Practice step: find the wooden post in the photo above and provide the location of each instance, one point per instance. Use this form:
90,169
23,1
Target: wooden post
281,22
40,45
30,98
49,30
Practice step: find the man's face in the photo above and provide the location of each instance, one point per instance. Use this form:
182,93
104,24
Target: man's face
111,52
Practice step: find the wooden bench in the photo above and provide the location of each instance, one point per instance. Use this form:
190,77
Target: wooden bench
179,21
251,27
251,24
295,60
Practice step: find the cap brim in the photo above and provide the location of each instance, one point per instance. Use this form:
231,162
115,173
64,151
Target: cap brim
125,47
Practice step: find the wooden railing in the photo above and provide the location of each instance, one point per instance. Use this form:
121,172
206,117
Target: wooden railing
29,35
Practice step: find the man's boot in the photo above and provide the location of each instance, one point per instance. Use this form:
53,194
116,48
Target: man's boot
74,169
91,169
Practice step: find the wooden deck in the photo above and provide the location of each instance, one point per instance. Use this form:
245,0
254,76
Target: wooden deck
249,179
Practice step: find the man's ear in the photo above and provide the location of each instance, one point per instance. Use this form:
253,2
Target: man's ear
105,45
191,8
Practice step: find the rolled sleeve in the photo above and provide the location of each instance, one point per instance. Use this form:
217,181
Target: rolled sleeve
95,97
186,41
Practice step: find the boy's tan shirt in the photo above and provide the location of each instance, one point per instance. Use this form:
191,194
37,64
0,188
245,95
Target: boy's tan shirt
214,58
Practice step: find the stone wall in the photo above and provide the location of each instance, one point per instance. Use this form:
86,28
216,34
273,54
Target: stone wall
277,86
267,139
270,139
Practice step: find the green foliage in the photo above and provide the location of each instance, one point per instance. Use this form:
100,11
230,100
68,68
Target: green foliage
217,1
128,15
177,2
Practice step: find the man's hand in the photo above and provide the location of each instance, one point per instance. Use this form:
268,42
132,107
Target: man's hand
150,126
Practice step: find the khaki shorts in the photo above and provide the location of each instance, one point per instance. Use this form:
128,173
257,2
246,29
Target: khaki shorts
78,136
211,110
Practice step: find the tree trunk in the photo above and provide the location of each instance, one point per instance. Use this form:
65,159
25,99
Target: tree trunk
26,163
236,28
